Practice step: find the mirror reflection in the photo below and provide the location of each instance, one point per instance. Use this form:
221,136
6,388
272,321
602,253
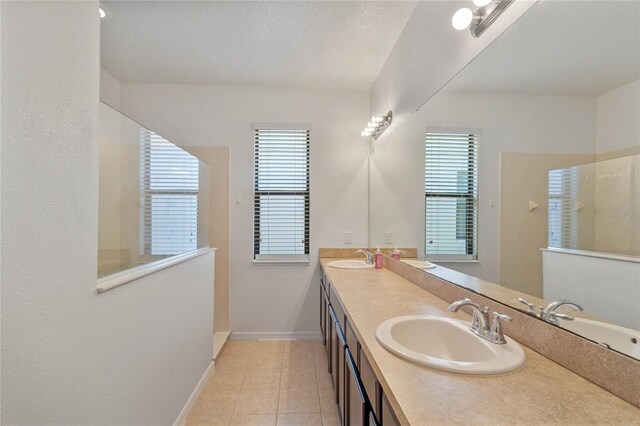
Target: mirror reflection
524,171
153,196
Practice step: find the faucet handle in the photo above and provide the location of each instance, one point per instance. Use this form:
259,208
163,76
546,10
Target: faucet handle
566,317
496,334
501,317
531,308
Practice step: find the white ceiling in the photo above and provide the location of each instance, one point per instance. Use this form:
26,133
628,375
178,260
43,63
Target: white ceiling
316,44
579,48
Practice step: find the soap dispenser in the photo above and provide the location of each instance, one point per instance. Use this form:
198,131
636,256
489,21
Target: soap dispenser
378,258
395,254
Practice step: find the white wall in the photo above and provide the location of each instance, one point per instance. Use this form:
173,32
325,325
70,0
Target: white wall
596,284
618,119
429,53
271,299
509,123
132,355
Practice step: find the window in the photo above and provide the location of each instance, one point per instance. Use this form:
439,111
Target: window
451,196
563,189
281,194
169,180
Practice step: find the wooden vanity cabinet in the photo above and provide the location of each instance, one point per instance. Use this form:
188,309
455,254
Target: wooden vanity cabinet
357,390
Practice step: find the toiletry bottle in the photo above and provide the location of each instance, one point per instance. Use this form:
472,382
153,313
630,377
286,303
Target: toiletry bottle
395,254
378,259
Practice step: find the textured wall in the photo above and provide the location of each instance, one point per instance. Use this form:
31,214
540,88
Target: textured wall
132,355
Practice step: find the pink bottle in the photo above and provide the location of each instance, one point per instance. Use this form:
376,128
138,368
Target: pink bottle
395,254
378,259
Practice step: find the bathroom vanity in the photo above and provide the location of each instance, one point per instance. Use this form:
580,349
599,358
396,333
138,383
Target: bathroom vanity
374,387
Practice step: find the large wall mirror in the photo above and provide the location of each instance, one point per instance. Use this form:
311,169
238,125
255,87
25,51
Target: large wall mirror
524,171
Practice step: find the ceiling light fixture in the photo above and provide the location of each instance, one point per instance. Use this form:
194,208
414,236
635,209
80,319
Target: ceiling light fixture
104,12
481,19
377,125
481,3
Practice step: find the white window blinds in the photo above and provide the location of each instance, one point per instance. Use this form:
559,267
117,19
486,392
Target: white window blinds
563,193
169,187
281,194
451,196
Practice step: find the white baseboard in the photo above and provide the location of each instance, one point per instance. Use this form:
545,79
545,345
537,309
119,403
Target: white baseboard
182,418
291,335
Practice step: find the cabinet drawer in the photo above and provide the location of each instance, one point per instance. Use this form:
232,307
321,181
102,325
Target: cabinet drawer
337,307
370,384
352,342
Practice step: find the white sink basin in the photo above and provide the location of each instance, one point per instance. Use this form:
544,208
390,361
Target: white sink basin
420,264
618,338
447,344
349,264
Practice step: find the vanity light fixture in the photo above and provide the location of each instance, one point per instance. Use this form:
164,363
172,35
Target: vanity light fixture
481,19
377,125
104,12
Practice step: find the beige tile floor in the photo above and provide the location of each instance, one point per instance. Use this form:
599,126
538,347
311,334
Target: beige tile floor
268,383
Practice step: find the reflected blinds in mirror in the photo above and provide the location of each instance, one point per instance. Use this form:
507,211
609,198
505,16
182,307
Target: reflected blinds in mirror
563,220
451,196
169,187
281,194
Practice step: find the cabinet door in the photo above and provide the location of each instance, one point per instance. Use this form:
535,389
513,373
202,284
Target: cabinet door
372,420
370,383
323,329
356,409
328,321
342,399
335,355
388,418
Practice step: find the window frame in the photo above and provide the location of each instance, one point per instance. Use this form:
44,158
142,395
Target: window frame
472,242
281,259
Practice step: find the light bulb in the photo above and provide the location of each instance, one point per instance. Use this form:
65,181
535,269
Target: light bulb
102,12
462,18
481,3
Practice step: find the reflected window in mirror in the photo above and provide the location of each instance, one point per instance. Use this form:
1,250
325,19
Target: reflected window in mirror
451,196
169,188
563,189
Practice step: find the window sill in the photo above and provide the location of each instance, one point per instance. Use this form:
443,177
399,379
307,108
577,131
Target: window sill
282,262
132,274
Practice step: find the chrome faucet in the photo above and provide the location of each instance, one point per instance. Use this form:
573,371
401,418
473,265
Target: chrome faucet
549,315
367,253
480,321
